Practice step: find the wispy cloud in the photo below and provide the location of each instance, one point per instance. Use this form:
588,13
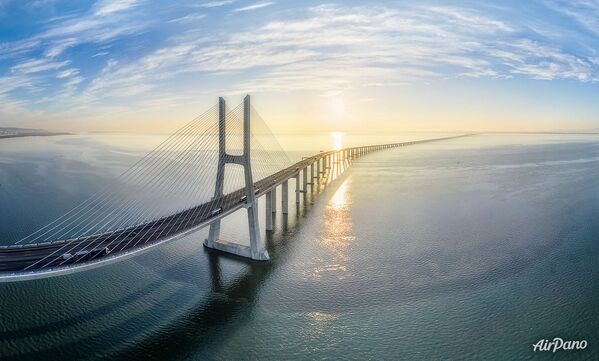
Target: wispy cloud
188,18
58,47
255,6
10,82
585,12
101,53
107,7
215,4
67,73
38,65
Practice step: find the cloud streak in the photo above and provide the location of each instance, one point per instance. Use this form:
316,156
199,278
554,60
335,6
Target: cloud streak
254,6
215,4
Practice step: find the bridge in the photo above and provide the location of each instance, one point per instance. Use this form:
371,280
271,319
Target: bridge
108,228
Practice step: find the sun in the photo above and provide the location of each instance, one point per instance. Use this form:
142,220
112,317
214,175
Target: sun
337,106
337,140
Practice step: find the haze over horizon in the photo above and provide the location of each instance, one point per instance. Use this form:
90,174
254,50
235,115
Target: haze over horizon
391,66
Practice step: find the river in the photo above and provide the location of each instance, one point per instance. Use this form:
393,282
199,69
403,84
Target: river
471,248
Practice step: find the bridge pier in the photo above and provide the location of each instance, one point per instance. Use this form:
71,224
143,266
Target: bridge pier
312,177
297,188
285,197
305,180
268,214
274,200
257,249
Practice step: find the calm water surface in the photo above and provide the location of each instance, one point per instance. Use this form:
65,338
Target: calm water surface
473,248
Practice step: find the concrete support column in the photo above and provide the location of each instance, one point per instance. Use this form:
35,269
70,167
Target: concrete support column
305,180
274,200
268,223
297,188
312,176
285,197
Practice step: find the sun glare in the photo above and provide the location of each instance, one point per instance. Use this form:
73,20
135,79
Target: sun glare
337,140
337,106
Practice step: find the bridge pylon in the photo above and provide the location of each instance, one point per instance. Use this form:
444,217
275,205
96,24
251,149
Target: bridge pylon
257,249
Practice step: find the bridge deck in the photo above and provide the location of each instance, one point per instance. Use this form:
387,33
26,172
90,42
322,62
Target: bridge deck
46,257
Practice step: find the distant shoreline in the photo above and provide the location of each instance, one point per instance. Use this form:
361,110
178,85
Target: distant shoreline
6,136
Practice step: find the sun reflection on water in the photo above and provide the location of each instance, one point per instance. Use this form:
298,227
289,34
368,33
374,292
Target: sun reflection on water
337,235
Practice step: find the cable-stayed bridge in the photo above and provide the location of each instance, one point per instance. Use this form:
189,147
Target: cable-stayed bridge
217,164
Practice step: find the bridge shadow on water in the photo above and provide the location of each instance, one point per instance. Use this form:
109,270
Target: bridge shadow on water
205,326
198,330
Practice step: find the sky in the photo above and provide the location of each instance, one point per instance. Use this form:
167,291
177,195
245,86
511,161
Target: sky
311,67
